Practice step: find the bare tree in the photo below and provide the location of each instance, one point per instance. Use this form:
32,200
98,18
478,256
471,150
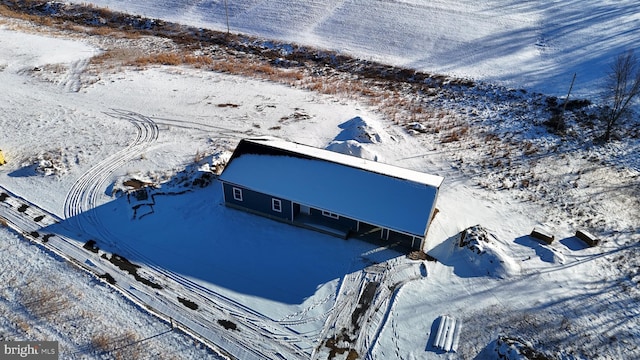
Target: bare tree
623,85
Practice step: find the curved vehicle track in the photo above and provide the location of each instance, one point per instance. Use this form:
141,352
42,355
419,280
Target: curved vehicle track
84,192
283,342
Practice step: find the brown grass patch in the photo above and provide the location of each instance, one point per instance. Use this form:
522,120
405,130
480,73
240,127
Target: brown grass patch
161,59
40,20
529,148
119,346
43,302
198,61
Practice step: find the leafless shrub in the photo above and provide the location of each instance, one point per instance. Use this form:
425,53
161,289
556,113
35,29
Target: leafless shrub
623,86
491,137
23,325
199,156
451,137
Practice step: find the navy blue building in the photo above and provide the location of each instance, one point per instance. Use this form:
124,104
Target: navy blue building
337,194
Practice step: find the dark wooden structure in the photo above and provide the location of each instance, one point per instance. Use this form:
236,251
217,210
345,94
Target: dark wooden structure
543,234
588,238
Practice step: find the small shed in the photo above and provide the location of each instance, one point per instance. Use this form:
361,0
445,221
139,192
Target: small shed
337,194
588,238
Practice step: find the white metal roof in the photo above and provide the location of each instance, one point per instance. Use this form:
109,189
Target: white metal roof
348,160
376,193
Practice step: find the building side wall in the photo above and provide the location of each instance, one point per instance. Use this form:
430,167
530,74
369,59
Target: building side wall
406,240
257,202
340,222
262,204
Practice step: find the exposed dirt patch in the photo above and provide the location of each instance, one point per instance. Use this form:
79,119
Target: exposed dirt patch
136,184
363,304
513,348
344,341
228,105
227,324
188,303
420,255
91,246
337,346
298,115
125,265
108,278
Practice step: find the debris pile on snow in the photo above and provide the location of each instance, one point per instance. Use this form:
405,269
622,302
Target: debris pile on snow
484,251
416,128
198,174
216,162
353,148
448,334
361,131
355,133
506,348
134,184
47,164
49,167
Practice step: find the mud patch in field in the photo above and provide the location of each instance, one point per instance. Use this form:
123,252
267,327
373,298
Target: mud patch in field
188,303
337,346
125,265
229,325
91,246
108,278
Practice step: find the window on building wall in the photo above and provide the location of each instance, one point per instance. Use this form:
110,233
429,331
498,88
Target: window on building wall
330,214
237,194
276,205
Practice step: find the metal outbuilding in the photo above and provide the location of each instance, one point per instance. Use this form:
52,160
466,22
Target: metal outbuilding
338,194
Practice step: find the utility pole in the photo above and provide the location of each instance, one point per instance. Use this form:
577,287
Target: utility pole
226,11
561,123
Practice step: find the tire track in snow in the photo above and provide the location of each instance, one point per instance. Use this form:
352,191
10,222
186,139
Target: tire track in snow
83,196
84,193
72,80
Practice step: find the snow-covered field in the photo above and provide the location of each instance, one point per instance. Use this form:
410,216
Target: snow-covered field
537,45
74,134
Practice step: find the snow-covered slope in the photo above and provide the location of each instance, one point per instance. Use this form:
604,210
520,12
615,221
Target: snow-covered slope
261,289
537,45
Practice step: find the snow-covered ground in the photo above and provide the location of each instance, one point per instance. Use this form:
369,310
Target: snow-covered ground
256,288
537,45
